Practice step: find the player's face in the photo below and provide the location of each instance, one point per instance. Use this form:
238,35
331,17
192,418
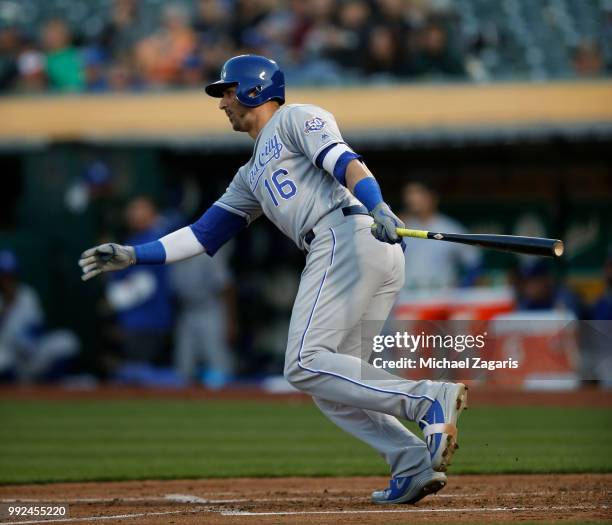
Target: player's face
237,114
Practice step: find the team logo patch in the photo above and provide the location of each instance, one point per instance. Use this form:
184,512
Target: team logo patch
313,125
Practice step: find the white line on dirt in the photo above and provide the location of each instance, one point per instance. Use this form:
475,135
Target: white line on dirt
190,498
453,495
78,500
169,498
103,518
413,511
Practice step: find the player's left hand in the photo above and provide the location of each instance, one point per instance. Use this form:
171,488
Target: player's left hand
108,257
385,224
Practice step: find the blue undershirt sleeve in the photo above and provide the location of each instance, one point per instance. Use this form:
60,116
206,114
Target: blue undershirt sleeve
216,227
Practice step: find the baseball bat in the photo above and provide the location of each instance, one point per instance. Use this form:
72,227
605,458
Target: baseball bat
507,243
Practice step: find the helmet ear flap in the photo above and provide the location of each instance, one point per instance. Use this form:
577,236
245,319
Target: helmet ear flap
255,92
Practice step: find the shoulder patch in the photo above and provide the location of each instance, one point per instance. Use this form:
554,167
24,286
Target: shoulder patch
313,125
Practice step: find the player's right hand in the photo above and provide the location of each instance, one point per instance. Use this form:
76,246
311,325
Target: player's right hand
385,224
108,257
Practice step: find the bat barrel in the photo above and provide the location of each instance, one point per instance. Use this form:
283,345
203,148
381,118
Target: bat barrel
510,243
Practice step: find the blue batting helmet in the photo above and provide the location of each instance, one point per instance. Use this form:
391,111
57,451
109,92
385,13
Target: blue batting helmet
257,80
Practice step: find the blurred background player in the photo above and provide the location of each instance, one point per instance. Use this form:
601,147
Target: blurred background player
434,265
205,297
602,309
140,296
28,351
537,288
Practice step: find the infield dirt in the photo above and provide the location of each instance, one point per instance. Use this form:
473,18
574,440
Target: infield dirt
280,501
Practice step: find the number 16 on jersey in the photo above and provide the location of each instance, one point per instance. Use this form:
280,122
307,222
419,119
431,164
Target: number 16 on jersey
285,189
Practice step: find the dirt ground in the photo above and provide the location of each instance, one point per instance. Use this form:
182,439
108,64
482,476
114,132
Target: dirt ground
293,501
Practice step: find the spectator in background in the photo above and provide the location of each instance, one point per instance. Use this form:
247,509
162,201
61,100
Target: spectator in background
31,68
10,46
587,60
27,351
392,13
385,48
63,62
160,56
297,22
211,20
432,52
602,309
245,29
382,53
123,77
95,63
206,324
211,26
345,41
113,54
122,31
313,29
537,289
140,295
434,265
304,20
192,71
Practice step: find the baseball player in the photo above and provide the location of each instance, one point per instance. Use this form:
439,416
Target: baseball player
317,190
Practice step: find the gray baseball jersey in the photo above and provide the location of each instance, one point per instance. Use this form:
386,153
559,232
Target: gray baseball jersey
349,278
281,178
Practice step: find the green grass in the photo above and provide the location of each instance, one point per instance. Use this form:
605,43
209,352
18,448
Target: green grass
103,440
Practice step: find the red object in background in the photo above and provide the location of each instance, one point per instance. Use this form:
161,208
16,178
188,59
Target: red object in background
420,309
545,345
457,303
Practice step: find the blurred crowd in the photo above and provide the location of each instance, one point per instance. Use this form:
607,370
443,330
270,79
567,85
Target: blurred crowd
315,41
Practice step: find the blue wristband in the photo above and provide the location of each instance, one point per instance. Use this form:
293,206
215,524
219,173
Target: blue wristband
341,165
150,253
368,192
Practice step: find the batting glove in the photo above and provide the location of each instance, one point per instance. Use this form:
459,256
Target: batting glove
385,223
108,257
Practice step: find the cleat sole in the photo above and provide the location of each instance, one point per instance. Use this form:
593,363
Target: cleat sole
451,439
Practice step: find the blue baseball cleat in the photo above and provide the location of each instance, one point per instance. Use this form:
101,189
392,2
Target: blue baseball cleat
439,425
410,489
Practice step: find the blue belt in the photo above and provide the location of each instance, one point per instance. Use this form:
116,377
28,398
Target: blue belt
356,209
